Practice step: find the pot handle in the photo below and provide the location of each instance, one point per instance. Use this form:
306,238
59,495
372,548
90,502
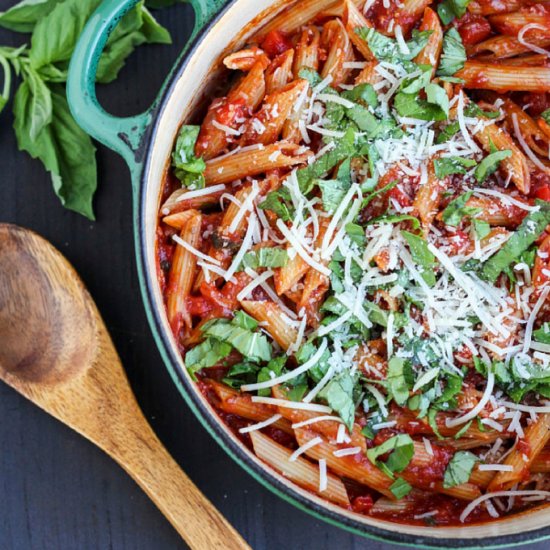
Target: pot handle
123,135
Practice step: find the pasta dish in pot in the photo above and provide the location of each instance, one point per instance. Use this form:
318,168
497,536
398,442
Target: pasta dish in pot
354,249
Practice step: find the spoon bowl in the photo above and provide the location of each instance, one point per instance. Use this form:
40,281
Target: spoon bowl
57,352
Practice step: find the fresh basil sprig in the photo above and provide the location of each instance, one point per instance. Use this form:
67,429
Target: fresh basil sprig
44,126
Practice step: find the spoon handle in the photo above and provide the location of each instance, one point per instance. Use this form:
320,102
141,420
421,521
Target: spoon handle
143,456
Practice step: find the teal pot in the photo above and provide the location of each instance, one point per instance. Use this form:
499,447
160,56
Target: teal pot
145,141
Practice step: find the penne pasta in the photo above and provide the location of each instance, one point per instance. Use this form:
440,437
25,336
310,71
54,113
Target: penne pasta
431,53
301,471
253,162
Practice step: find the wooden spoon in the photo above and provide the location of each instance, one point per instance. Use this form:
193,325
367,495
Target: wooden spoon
56,351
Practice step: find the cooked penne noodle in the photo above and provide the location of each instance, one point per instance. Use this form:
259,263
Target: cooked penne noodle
273,319
244,60
521,458
175,204
515,166
428,198
496,212
430,54
491,76
181,275
267,124
354,19
357,467
340,52
503,47
253,162
279,72
301,471
234,402
512,23
307,51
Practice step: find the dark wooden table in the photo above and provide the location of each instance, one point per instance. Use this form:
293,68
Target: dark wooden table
58,492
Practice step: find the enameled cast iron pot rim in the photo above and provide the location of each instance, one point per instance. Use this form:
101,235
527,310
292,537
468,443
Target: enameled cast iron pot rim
134,138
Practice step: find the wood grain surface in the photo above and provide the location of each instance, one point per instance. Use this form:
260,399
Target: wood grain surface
59,492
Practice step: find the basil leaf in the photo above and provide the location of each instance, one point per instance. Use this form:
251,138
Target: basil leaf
131,32
311,76
400,446
542,334
356,233
448,132
244,320
387,49
55,35
25,14
422,256
253,345
363,93
266,257
490,164
474,111
206,354
40,104
345,148
273,368
414,85
447,166
184,161
63,147
396,218
459,469
332,193
400,488
449,9
438,96
454,54
526,234
410,105
457,209
397,384
481,228
338,393
546,115
280,203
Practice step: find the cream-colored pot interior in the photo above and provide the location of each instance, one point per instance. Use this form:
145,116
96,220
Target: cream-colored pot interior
186,93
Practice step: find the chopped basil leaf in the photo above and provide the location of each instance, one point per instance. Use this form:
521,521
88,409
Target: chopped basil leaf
363,93
448,132
459,469
413,86
387,49
457,209
463,430
311,76
397,218
454,54
400,488
187,167
490,164
253,345
397,383
378,192
280,203
526,234
542,334
338,393
243,320
345,148
474,111
449,9
409,105
273,368
266,257
332,193
546,115
438,96
481,228
206,354
400,446
421,256
356,233
447,166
